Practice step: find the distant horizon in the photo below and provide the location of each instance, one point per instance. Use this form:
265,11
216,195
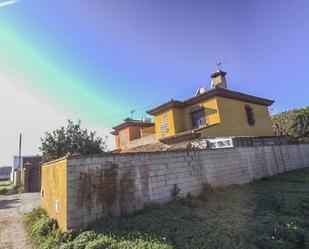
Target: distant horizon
97,61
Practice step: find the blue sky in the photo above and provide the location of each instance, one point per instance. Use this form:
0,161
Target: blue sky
97,60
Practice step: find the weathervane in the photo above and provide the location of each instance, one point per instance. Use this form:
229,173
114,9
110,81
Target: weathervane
219,64
132,113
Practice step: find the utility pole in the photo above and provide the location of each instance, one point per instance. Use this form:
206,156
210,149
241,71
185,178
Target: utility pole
19,160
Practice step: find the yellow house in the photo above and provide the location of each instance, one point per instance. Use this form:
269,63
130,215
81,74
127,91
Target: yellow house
131,130
213,113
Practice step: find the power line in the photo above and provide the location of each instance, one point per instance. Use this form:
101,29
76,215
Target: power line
119,115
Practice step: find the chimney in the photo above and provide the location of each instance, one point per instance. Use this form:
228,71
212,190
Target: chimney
218,80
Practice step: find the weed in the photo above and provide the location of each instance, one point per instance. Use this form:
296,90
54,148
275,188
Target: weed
175,192
4,186
19,189
206,189
3,191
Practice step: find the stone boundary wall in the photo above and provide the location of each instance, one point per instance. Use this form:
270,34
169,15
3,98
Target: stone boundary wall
123,183
259,141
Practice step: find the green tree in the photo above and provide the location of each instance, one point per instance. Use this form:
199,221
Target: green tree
71,140
293,123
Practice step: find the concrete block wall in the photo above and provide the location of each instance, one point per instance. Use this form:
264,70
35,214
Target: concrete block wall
120,184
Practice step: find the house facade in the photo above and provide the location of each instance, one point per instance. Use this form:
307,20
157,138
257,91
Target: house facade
29,175
132,133
214,113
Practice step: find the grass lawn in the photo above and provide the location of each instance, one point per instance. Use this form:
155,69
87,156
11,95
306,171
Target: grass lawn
270,213
4,186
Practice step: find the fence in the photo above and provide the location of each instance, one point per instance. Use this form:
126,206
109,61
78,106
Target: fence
119,184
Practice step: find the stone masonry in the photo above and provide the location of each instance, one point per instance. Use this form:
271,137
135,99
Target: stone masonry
120,184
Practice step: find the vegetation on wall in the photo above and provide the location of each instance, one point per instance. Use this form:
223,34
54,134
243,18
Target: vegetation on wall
270,213
293,123
70,140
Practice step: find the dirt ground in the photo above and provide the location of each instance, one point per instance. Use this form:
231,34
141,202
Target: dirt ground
12,208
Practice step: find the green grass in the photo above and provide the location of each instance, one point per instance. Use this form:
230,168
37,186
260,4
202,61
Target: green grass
4,186
270,213
19,189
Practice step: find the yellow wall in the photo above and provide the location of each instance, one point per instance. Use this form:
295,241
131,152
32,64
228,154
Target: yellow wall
132,133
179,120
124,133
228,116
146,131
171,126
54,188
234,120
211,112
117,141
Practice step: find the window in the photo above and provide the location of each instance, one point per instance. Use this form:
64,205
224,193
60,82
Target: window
164,126
57,206
198,118
123,137
165,122
250,115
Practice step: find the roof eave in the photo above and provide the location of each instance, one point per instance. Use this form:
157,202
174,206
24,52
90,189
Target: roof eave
128,123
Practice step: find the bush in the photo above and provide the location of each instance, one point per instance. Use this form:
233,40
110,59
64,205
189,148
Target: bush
83,239
43,227
293,123
44,230
34,216
139,244
69,245
70,140
101,243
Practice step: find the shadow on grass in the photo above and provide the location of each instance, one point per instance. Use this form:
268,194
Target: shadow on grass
271,213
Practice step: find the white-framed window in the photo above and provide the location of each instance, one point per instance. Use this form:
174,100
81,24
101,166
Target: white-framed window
217,143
